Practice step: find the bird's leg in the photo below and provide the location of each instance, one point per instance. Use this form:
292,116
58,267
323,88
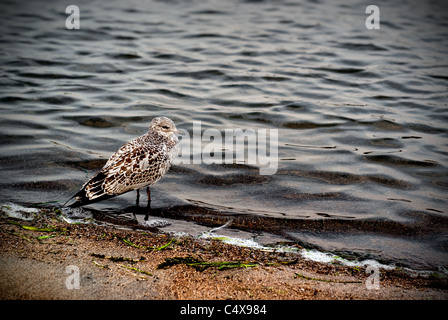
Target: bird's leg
148,208
148,193
138,197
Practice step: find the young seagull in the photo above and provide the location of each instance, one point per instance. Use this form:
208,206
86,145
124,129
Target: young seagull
139,163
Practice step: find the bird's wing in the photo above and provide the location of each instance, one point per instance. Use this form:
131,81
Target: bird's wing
132,167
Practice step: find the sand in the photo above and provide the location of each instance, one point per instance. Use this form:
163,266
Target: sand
125,264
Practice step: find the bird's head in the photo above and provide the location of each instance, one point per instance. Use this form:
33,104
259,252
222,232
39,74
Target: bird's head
164,126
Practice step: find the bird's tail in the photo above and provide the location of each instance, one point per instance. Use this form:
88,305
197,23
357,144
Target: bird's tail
90,192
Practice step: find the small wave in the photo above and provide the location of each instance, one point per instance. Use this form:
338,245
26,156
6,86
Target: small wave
398,161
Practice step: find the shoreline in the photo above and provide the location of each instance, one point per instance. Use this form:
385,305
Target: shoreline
42,258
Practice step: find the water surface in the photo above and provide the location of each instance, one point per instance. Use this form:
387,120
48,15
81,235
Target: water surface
361,114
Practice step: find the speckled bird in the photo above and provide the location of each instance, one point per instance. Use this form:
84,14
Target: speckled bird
139,163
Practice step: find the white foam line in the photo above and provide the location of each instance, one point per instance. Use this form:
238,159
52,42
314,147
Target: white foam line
313,254
13,210
231,240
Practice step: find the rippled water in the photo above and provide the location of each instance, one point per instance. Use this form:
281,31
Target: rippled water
361,114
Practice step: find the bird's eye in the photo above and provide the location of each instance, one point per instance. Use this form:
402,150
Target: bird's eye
165,127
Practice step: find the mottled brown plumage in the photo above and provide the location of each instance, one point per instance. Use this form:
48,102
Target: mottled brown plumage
139,163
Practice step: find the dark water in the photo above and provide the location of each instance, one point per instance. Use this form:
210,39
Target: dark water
361,114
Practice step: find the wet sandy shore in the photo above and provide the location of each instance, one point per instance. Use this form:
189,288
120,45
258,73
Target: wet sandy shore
40,259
